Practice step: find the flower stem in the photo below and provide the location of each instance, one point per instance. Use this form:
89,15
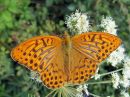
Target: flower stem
100,82
104,74
94,95
50,93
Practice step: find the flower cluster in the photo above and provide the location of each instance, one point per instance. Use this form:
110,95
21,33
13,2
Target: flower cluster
78,22
125,94
109,25
115,80
35,76
82,90
116,56
126,73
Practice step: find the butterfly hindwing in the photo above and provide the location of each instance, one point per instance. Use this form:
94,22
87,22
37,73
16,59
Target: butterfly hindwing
89,49
42,54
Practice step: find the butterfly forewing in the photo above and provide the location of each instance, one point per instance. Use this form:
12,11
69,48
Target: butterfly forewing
88,50
44,55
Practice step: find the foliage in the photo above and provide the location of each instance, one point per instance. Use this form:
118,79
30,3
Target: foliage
22,19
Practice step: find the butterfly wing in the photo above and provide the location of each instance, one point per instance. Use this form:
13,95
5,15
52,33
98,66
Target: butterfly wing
88,50
44,55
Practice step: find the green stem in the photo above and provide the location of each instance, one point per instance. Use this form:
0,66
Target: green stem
50,93
54,95
100,82
104,74
94,95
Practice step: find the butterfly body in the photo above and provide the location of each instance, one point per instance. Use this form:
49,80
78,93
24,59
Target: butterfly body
60,61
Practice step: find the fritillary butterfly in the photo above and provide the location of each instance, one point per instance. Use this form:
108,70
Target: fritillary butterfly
60,61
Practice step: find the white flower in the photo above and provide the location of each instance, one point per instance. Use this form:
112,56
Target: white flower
97,76
35,76
78,22
125,82
115,80
125,94
79,94
126,70
80,89
126,73
117,56
109,25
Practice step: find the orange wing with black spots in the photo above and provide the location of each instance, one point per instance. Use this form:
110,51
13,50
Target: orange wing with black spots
58,65
88,50
44,55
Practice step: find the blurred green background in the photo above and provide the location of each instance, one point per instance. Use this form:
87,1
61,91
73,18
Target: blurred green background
22,19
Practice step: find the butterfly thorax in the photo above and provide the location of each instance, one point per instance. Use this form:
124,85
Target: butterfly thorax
67,41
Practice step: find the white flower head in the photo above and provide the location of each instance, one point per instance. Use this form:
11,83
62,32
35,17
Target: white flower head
126,73
97,76
117,56
78,22
125,82
80,89
35,76
109,25
125,94
115,80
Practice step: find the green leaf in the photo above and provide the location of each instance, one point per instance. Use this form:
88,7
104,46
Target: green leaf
13,6
6,16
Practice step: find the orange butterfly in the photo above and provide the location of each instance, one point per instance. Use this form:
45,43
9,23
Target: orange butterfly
60,61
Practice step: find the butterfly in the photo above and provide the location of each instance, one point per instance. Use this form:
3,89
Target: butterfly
60,61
